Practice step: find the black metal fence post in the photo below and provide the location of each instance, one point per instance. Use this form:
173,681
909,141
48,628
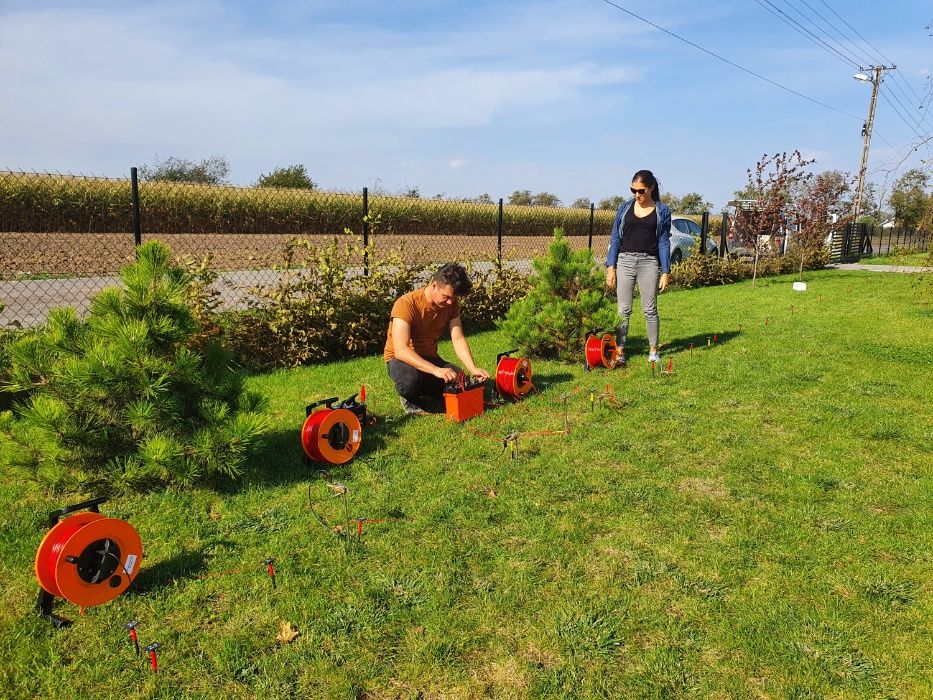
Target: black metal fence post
704,232
724,230
499,235
589,242
366,231
137,229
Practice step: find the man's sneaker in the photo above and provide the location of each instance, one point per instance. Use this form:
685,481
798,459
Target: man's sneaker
620,360
412,409
653,356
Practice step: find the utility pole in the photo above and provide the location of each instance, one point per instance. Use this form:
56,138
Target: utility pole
866,131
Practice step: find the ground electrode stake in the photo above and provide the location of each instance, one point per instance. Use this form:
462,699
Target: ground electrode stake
153,661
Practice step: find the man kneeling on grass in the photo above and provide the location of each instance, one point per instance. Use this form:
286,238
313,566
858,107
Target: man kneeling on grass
418,321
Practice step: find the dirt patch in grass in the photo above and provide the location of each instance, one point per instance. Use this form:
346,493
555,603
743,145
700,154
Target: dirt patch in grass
711,488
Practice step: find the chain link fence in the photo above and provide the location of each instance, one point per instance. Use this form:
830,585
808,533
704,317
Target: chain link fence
65,237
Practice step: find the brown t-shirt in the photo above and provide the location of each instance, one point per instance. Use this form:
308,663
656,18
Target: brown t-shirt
426,323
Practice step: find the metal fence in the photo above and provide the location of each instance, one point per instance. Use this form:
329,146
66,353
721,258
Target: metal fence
856,241
65,237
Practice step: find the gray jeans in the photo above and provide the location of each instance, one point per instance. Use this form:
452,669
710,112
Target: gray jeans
646,270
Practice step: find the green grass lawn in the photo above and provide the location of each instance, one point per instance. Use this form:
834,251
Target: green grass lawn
757,525
908,260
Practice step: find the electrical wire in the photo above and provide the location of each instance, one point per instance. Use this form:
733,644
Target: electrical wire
898,112
872,46
800,29
731,63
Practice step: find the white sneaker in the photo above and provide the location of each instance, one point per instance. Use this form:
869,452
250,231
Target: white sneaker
620,360
654,356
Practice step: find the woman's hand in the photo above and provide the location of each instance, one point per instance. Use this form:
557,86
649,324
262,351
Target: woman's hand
665,278
611,277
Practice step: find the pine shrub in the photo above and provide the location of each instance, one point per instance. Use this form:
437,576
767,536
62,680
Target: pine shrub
567,300
121,400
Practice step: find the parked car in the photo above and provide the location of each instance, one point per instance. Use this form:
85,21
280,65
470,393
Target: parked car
685,239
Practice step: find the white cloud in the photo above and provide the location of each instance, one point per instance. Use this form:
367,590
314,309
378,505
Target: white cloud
457,163
78,81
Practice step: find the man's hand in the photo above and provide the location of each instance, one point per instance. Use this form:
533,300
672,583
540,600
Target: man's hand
665,278
611,277
445,373
479,373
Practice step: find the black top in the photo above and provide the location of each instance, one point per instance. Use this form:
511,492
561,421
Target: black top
640,235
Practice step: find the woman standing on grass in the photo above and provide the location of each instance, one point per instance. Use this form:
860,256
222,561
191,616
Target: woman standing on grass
640,251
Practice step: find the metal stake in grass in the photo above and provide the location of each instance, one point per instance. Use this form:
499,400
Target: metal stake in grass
511,439
270,569
153,661
131,628
341,491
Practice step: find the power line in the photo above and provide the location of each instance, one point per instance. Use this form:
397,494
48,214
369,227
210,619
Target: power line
885,59
800,29
849,58
727,61
865,58
900,114
916,121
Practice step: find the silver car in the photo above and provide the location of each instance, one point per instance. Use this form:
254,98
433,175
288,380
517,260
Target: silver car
685,237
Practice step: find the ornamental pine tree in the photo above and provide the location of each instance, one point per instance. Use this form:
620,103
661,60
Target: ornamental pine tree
121,399
567,300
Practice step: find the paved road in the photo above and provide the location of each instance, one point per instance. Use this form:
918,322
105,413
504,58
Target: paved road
879,268
28,302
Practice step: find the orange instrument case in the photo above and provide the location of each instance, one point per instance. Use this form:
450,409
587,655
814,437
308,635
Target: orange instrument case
464,403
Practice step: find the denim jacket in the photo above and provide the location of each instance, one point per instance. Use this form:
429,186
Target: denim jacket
664,234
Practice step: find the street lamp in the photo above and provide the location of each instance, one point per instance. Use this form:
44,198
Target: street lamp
866,132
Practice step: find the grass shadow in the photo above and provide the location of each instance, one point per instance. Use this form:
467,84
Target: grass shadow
187,564
698,341
280,459
543,382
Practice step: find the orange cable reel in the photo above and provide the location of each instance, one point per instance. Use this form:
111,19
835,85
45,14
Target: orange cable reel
332,432
600,350
513,376
86,558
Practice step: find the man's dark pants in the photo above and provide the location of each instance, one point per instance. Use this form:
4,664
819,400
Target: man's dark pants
410,383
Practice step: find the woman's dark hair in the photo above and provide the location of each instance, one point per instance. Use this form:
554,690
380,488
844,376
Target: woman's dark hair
454,275
646,177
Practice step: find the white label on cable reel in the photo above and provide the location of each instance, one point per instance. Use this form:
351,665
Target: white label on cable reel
356,435
130,564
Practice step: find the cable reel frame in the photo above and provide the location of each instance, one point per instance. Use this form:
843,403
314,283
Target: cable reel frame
600,351
513,376
332,432
85,558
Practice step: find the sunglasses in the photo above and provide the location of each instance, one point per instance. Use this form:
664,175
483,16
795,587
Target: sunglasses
638,190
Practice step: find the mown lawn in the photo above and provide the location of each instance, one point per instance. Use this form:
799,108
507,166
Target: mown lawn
757,525
909,260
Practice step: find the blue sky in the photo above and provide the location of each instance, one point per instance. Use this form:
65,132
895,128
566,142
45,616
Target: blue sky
459,98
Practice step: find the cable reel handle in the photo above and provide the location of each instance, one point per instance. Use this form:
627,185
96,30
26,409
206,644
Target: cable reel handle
91,505
323,402
507,353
